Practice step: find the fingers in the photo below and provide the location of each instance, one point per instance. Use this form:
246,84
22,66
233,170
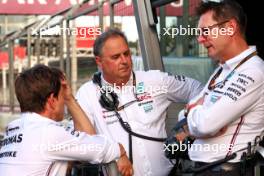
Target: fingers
64,81
125,167
181,136
131,172
126,171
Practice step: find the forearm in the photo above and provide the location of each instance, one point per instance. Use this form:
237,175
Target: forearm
80,120
122,150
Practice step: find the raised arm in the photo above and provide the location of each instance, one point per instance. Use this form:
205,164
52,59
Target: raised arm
80,120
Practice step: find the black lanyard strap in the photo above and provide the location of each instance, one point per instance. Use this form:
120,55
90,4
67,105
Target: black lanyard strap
127,128
212,85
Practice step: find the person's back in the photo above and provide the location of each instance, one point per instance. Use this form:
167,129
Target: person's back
38,144
34,144
25,145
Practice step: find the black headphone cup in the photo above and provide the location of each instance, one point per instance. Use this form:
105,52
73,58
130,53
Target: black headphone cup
105,104
115,99
108,100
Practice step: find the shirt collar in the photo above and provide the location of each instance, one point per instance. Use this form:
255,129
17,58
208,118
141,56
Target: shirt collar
232,63
36,117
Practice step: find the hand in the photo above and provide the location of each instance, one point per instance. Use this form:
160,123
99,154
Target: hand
123,164
67,92
188,107
180,136
80,120
200,101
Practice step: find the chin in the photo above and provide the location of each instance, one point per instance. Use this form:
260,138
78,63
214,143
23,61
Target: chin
125,73
212,55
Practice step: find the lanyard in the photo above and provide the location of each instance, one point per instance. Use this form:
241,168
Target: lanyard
212,85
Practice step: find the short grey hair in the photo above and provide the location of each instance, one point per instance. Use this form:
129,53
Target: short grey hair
100,40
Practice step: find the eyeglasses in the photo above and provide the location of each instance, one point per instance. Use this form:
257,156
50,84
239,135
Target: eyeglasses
206,31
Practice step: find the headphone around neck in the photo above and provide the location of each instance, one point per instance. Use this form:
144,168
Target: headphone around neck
108,100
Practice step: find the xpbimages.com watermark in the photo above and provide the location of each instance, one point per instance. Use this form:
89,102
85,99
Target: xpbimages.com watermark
207,31
70,147
139,89
81,32
215,148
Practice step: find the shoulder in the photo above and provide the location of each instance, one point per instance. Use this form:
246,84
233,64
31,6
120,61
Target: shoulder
258,64
254,68
250,75
58,132
14,123
85,86
55,128
86,90
151,75
13,126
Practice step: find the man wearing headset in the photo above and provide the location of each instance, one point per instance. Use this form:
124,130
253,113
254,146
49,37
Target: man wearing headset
229,112
119,100
38,144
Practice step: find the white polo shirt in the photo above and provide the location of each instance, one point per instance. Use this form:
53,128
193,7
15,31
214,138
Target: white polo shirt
238,105
156,90
36,145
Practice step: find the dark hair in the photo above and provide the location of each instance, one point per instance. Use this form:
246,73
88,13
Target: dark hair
34,86
100,40
225,10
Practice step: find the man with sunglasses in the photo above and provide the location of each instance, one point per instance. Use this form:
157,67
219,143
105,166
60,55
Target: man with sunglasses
229,112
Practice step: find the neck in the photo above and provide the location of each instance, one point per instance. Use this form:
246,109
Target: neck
120,82
234,49
47,115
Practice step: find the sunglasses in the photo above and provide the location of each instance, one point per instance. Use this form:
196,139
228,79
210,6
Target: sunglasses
206,31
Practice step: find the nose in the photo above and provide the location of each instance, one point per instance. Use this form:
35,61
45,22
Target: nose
124,58
201,39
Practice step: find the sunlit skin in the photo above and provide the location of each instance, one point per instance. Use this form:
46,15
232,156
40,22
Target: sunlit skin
59,106
222,47
115,61
54,108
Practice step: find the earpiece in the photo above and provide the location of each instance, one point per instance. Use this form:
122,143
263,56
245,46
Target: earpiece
108,100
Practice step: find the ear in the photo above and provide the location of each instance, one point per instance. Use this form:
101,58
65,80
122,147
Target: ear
51,102
232,27
98,61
